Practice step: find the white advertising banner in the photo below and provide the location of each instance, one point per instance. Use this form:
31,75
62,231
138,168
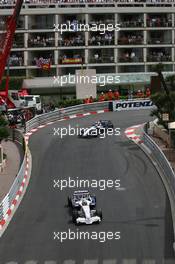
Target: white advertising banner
132,104
86,82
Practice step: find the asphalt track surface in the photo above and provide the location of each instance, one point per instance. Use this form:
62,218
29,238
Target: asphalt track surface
140,210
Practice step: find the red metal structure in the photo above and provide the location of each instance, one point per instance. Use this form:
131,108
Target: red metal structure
5,47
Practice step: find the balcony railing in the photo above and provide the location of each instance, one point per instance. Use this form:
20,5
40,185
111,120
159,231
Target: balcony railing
130,41
135,59
41,26
18,44
156,23
38,44
102,60
102,42
16,61
158,58
158,41
129,23
71,43
82,3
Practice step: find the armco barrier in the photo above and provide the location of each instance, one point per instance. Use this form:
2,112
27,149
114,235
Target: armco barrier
9,200
77,109
164,167
61,113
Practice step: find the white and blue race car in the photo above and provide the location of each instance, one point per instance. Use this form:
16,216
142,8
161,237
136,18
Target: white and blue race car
83,208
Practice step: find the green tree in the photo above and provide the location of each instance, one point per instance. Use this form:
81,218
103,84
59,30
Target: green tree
164,100
158,68
164,105
170,80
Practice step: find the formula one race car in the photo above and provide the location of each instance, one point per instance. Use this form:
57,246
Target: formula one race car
104,123
83,208
97,128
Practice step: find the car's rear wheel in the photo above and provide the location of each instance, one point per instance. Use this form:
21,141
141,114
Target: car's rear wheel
99,213
69,202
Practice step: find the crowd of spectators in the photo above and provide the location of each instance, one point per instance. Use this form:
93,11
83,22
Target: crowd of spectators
74,23
36,60
2,23
131,22
18,42
46,108
159,39
130,39
115,95
105,39
105,21
78,40
98,58
16,60
40,41
130,57
158,21
159,56
33,2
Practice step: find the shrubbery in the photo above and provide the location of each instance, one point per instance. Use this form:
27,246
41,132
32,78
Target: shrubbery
69,102
165,104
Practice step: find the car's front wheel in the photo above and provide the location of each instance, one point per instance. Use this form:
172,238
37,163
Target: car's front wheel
74,216
99,213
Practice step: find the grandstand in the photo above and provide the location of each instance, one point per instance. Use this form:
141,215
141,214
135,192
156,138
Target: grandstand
146,36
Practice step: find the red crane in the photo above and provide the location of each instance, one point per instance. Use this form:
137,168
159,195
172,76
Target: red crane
6,45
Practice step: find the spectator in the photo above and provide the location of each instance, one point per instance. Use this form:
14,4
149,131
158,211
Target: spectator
130,94
116,95
96,57
91,99
16,60
110,95
148,93
140,94
101,97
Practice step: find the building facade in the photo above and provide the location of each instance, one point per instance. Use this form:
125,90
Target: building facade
146,37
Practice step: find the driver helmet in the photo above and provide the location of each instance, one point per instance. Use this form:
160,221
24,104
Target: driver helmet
84,202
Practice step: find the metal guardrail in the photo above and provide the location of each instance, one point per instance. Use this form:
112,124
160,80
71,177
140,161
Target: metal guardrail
61,113
72,3
16,136
164,168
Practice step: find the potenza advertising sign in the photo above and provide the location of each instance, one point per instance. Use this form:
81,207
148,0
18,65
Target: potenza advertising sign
132,105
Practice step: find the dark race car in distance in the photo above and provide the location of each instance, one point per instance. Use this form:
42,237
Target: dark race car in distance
104,123
96,129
